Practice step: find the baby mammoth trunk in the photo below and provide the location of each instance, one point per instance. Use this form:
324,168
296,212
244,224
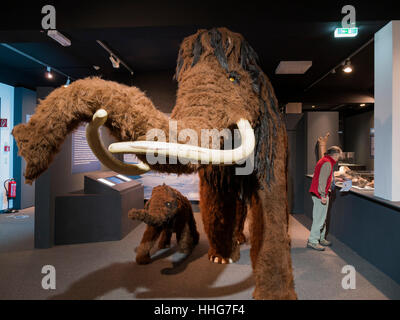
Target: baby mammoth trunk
130,115
151,220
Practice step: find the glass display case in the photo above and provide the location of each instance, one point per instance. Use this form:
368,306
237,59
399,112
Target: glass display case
349,170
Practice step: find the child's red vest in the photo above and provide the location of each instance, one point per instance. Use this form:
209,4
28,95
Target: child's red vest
315,179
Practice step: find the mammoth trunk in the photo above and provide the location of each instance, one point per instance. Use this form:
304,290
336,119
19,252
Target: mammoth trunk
149,219
130,115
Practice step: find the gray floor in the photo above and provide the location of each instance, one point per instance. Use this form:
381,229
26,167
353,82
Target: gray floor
107,270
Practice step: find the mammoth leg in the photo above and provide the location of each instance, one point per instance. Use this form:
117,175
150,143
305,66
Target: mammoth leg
270,245
150,237
165,239
217,209
241,213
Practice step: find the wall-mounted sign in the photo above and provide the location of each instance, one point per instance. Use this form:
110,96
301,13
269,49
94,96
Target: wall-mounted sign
3,123
346,32
83,159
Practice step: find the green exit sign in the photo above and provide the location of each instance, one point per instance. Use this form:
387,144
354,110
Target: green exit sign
346,32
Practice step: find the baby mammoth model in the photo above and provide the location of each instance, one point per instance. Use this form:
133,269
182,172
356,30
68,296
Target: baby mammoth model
220,87
167,212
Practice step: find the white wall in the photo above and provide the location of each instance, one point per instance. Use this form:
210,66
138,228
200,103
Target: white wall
387,112
6,161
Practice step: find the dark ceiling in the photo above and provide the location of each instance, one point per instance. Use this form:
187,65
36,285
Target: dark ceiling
147,34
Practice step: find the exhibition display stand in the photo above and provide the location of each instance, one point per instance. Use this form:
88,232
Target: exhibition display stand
100,211
364,222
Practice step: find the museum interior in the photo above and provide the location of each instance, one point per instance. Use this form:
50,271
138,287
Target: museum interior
69,204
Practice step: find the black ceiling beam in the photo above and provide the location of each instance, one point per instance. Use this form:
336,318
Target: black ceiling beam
337,96
74,14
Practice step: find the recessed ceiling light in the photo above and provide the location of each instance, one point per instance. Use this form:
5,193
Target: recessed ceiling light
293,67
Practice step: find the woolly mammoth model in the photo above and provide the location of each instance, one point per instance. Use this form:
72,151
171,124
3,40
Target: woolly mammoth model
167,212
221,86
322,141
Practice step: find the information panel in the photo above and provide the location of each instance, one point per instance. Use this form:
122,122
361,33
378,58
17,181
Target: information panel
83,159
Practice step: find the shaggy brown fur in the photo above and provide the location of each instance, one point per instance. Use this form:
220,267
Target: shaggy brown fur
220,82
167,212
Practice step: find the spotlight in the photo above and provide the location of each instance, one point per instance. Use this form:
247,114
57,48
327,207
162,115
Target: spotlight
313,107
115,62
49,75
67,83
362,105
347,67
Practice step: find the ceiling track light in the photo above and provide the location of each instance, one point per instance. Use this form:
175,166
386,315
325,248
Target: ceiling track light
347,67
49,75
340,64
115,60
67,83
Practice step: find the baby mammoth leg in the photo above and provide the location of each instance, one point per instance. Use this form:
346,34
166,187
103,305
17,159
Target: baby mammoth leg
165,239
150,237
185,239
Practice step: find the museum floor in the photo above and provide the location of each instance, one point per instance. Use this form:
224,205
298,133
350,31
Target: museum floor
106,270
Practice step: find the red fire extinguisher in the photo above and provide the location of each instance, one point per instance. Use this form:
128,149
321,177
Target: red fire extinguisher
11,188
10,185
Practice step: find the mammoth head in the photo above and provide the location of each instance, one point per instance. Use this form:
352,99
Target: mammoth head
221,86
218,74
160,209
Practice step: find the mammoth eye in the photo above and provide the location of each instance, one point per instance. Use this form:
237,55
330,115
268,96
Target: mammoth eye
168,204
234,77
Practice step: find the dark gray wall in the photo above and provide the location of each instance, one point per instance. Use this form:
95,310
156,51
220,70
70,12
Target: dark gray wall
357,137
24,104
295,126
57,180
159,87
318,124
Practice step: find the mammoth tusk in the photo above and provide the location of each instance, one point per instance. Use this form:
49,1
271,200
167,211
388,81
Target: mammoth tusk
97,146
194,153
